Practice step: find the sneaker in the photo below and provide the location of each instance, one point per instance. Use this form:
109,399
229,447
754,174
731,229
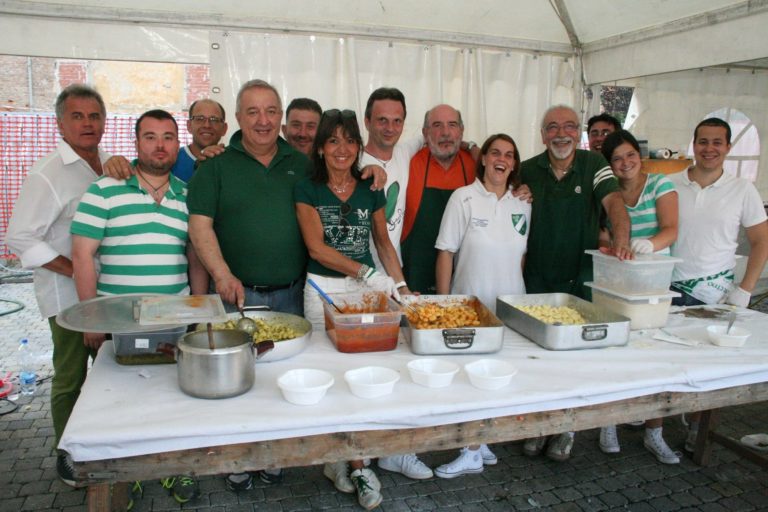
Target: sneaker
368,488
271,476
66,470
239,482
137,491
659,448
560,447
183,488
637,425
468,462
609,440
534,446
408,465
690,440
489,458
338,473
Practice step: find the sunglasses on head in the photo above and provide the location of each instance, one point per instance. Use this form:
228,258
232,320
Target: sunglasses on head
344,114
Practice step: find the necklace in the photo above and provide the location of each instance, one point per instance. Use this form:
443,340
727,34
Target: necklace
341,189
155,190
383,163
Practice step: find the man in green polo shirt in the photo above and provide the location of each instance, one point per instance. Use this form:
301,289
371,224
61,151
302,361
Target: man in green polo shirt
569,187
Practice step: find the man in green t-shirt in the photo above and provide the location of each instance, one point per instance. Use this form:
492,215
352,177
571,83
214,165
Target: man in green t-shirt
569,187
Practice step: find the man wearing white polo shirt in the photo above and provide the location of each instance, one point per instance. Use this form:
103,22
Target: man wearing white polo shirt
712,207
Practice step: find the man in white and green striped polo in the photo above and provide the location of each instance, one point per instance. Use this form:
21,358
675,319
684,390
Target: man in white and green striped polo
137,228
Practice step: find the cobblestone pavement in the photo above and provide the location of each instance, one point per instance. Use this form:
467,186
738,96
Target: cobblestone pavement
589,481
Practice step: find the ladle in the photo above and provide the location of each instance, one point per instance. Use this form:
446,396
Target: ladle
211,345
324,295
244,323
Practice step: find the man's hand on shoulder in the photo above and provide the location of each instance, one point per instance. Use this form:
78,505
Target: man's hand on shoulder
210,151
118,167
378,173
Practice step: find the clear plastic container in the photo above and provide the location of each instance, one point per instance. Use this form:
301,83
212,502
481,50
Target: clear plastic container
643,311
147,347
370,322
647,274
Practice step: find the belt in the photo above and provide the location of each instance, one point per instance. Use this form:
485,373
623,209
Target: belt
272,287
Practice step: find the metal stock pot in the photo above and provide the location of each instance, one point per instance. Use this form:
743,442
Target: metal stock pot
226,371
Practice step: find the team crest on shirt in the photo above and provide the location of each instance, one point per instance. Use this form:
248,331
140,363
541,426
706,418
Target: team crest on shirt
520,223
577,189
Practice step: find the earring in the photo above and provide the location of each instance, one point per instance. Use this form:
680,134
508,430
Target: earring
321,154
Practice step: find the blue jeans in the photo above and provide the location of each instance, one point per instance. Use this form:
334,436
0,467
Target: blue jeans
287,300
684,299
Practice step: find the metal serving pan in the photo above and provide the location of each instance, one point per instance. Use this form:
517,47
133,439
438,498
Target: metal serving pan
486,338
603,328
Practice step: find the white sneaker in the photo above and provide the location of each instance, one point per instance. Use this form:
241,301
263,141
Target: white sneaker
367,486
338,473
408,465
468,461
489,458
659,448
609,440
559,448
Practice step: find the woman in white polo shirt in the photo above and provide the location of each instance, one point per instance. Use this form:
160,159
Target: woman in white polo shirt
481,247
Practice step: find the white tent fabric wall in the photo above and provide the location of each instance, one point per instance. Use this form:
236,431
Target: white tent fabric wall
673,103
495,91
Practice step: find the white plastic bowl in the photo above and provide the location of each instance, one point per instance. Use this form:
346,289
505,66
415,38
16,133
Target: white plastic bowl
371,381
490,373
304,386
432,373
736,338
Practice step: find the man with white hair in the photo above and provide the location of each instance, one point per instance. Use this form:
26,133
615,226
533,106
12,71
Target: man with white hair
435,172
569,187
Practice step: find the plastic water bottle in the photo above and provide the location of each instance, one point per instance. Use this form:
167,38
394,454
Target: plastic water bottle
27,376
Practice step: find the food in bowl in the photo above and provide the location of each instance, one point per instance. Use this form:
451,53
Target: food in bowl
304,386
265,329
553,315
371,381
432,373
430,315
369,322
490,374
735,338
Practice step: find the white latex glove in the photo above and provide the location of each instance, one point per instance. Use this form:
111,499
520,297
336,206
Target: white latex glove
738,297
641,246
382,283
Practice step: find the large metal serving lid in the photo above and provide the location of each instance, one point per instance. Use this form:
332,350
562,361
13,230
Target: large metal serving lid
112,313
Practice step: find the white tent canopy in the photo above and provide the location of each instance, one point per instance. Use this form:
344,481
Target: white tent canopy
501,61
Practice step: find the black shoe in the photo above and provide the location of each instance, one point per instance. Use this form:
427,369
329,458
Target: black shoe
183,488
270,478
65,470
239,482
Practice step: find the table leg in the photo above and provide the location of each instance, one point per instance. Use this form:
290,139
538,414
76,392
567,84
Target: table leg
703,449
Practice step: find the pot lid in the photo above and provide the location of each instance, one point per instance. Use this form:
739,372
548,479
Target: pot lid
122,313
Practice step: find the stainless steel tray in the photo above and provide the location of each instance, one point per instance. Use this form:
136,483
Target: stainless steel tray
603,328
486,338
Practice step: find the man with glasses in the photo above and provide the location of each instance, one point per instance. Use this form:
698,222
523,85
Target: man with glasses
569,187
598,128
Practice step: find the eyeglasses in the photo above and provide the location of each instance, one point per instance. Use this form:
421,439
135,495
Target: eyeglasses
344,114
553,128
600,133
203,119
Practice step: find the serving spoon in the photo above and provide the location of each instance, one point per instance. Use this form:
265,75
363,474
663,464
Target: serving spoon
244,323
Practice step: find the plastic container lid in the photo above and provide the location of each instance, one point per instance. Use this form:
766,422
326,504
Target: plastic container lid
640,259
629,297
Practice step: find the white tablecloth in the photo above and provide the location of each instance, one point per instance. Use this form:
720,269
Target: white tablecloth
121,413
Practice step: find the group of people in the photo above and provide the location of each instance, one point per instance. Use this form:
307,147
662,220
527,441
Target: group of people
432,214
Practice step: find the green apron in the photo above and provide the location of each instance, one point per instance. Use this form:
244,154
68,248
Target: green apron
418,249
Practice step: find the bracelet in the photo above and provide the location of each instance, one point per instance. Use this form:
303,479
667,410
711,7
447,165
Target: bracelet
362,271
401,284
